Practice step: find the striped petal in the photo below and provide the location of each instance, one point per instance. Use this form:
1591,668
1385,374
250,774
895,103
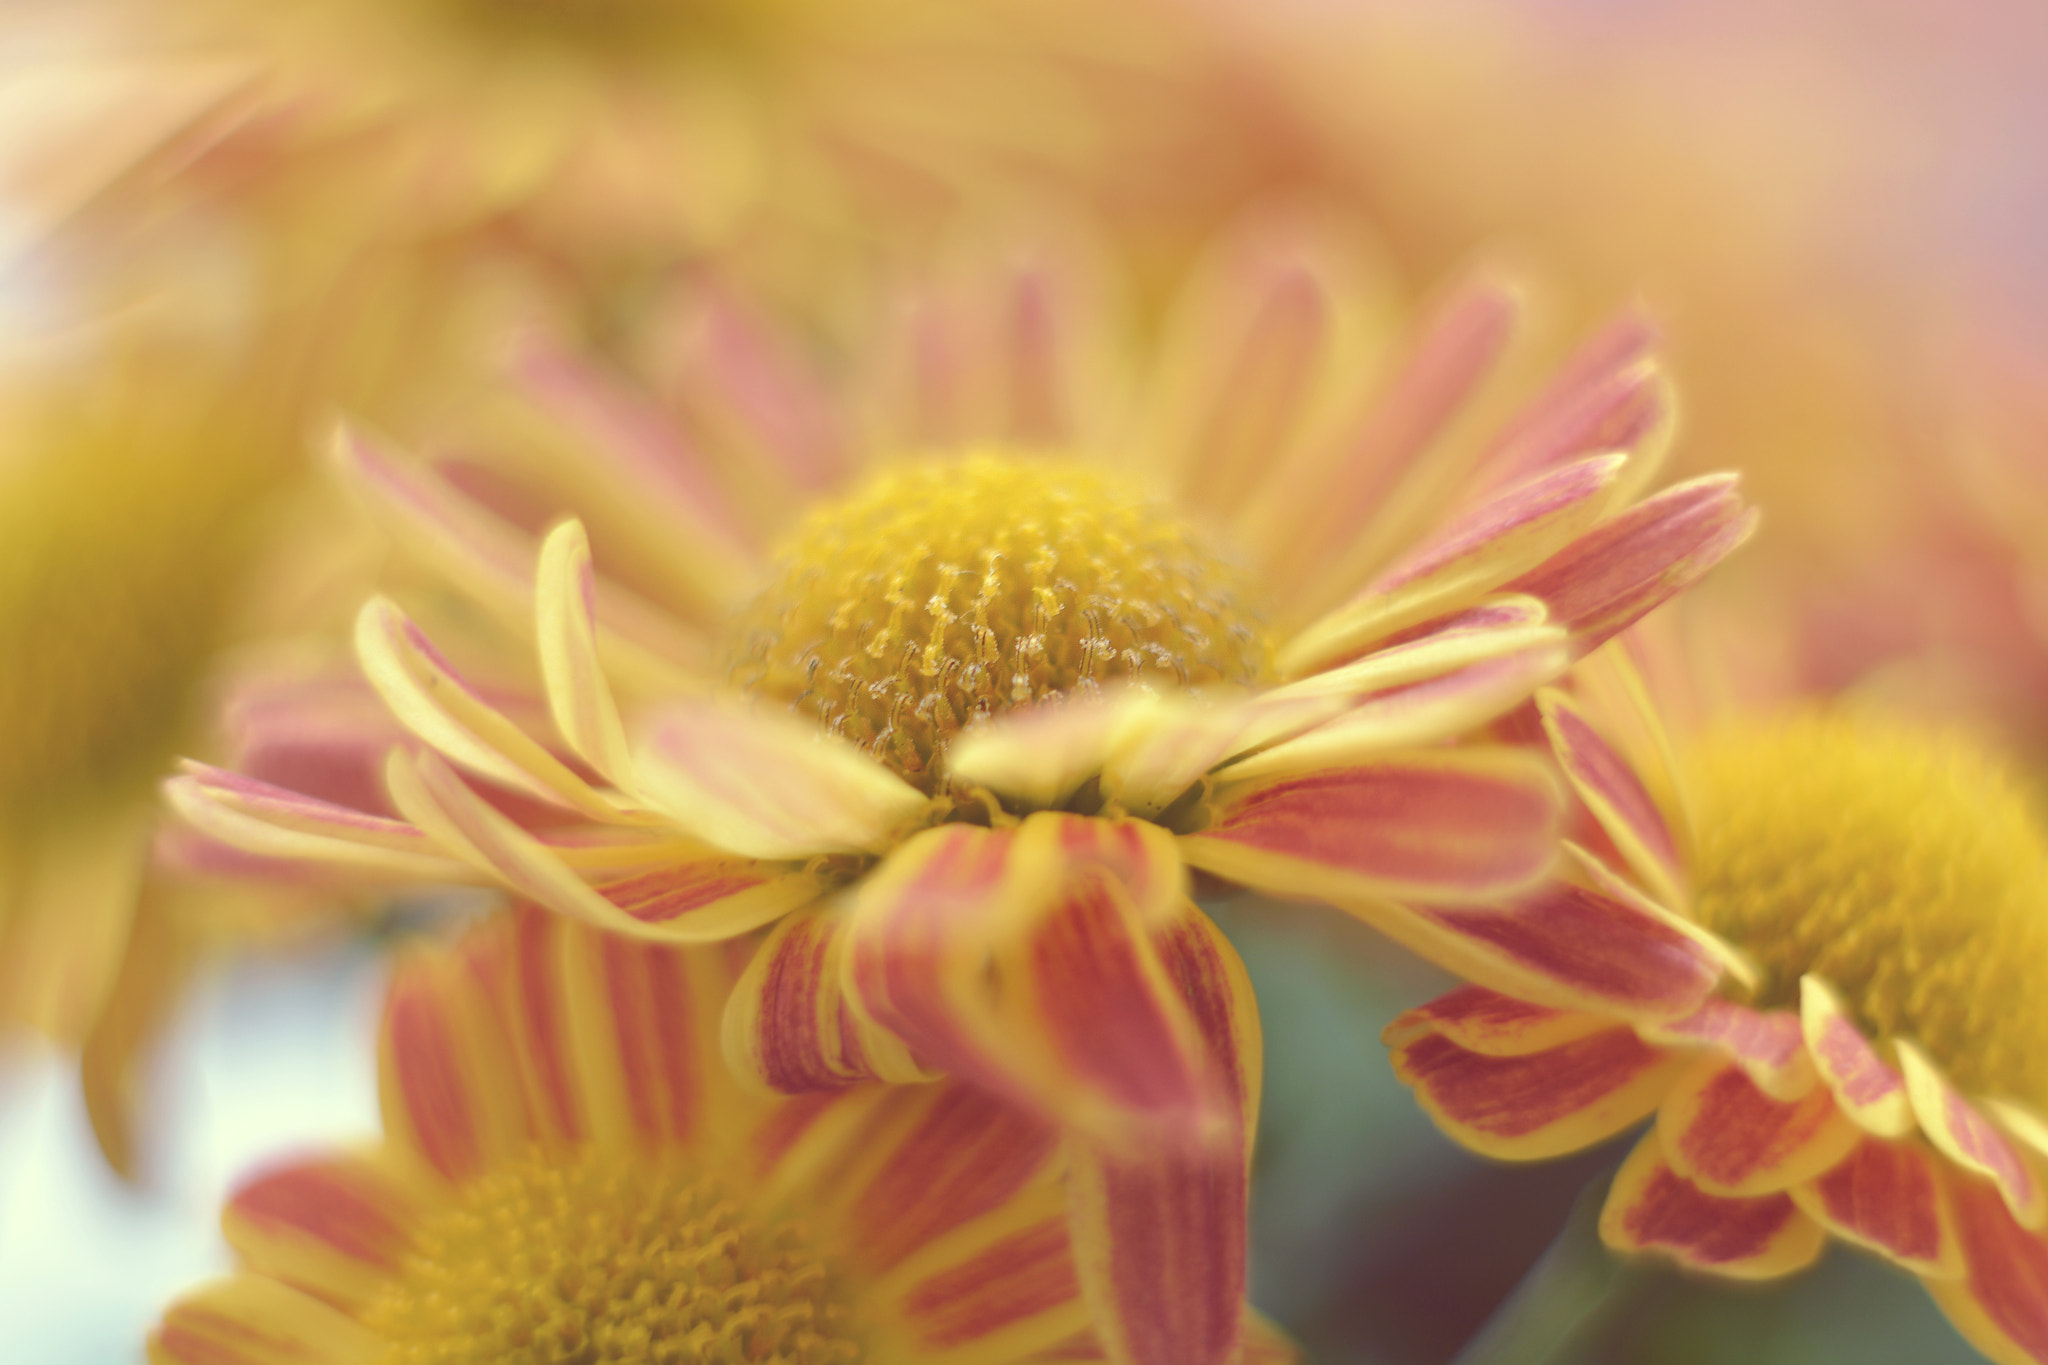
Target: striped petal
1506,537
1534,1105
1768,1044
686,899
1962,1134
1729,1138
336,1227
250,1320
1001,1288
1609,396
1653,1208
274,823
2001,1301
1495,1025
1432,826
1617,572
1027,959
771,786
1564,946
565,611
438,705
1869,1089
1161,1238
447,1075
1608,785
789,1026
1888,1196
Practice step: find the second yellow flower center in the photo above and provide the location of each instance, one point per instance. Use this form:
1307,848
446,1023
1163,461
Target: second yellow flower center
1902,867
601,1260
942,594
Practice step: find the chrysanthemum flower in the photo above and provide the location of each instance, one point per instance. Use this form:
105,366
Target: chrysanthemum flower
968,729
1870,1064
567,1172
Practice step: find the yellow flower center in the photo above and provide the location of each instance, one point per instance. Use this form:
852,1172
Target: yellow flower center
1901,866
943,594
600,1260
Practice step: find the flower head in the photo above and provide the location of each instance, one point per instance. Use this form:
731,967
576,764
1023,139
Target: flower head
1868,1065
986,711
567,1173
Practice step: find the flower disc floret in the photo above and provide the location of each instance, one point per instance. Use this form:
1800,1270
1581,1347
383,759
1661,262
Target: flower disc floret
585,1259
942,595
1902,867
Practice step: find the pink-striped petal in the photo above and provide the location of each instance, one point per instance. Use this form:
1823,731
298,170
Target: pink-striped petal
1609,396
1887,1196
1653,1208
1729,1138
1001,1289
252,1320
1535,1105
2000,1302
771,786
1623,568
1768,1044
334,1226
1492,1024
1506,537
1430,826
1611,789
1563,946
1869,1089
271,822
1963,1135
447,1075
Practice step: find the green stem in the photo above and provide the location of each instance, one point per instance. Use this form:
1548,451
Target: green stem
1570,1293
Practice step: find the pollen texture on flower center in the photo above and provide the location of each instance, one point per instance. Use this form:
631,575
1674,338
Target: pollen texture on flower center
946,593
599,1260
1901,866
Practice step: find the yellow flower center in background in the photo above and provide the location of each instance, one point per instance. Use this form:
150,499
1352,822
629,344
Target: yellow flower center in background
601,1260
942,594
1902,866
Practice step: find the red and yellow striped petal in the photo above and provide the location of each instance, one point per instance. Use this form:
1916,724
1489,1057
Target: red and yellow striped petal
1484,1021
1729,1138
1434,826
1528,1106
1653,1208
789,1026
1000,1288
1565,947
1888,1196
1615,795
1609,396
1768,1044
251,1320
768,786
1868,1088
271,822
2000,1302
448,1077
335,1226
1623,568
1962,1134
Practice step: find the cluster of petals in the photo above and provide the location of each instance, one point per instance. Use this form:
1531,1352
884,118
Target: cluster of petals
1052,957
943,1209
1597,1003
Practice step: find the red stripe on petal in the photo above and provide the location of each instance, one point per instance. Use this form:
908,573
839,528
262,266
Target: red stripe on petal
1615,795
336,1202
656,1033
2005,1285
1851,1066
671,892
1025,1274
430,1079
788,1023
1653,1208
542,1026
1887,1196
1769,1044
1540,1104
1480,1020
1730,1138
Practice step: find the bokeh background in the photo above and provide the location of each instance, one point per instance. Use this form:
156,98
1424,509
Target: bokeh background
222,223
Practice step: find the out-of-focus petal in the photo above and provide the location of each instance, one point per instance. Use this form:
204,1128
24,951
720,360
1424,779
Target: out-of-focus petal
2001,1300
1963,1135
1615,795
1495,1025
1867,1087
1888,1196
335,1226
272,822
1653,1208
579,698
251,1320
1729,1138
1767,1043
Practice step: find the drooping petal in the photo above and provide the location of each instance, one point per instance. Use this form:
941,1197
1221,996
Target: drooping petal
1458,825
770,786
1653,1208
1729,1138
1888,1196
1534,1105
334,1226
699,897
1767,1044
1612,791
2001,1300
1617,572
1492,544
1495,1025
1868,1088
274,823
565,612
1963,1135
1563,946
251,1320
789,1026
